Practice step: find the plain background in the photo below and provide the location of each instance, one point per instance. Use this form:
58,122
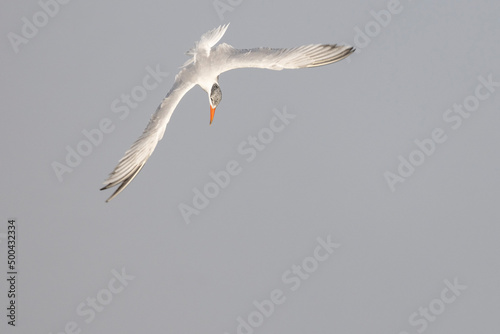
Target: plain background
323,175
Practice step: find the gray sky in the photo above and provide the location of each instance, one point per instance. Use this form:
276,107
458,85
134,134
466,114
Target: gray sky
371,208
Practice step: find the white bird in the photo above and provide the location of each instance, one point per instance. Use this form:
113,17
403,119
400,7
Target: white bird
203,68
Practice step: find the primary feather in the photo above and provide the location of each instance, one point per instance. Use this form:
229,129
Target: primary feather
208,61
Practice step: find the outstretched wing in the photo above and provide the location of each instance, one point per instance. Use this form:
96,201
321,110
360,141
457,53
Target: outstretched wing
137,155
277,59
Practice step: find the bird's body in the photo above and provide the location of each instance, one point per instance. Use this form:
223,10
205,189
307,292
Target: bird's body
208,61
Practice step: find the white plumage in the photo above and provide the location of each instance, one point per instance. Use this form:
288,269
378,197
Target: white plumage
203,68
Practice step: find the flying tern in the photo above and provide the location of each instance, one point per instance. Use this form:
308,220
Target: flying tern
207,62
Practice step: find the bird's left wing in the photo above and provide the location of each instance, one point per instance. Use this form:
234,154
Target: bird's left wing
137,155
277,59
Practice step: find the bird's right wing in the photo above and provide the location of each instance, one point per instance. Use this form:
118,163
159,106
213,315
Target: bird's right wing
277,59
137,155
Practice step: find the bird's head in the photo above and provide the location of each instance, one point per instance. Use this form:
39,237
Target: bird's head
215,96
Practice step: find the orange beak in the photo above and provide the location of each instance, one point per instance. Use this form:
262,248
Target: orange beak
212,113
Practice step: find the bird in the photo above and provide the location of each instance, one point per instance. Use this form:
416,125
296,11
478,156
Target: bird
208,60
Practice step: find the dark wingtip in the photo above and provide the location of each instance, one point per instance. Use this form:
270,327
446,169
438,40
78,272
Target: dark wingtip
124,183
